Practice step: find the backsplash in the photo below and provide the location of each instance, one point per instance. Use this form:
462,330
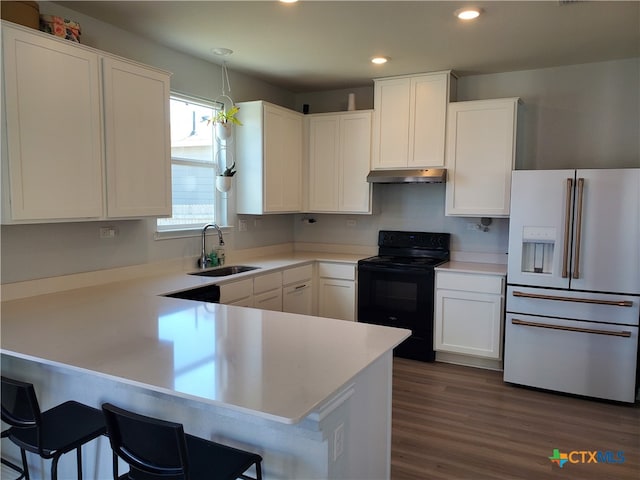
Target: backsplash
418,207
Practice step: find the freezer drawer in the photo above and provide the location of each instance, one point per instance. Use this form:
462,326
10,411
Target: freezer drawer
582,358
596,307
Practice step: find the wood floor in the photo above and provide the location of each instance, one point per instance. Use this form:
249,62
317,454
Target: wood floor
454,422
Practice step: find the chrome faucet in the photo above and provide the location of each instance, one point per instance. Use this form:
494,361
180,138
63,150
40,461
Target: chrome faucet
203,261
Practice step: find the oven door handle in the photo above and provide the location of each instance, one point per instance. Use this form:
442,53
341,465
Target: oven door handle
613,333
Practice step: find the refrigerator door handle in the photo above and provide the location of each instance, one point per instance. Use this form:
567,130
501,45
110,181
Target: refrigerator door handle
567,225
576,263
615,303
614,333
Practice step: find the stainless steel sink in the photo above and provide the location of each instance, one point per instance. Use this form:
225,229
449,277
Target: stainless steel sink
224,271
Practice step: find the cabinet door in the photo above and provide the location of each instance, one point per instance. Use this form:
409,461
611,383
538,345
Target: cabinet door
324,151
480,157
355,162
391,123
53,128
271,300
230,293
428,113
138,147
298,299
337,299
468,323
282,160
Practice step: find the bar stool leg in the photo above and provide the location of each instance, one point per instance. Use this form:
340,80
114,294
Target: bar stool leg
54,468
25,465
79,460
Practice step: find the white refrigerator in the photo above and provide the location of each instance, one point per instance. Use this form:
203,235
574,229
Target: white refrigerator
573,282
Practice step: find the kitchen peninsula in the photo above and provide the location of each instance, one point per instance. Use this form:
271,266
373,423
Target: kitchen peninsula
311,395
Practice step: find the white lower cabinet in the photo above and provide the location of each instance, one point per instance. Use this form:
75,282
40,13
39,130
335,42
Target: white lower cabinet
469,314
238,293
297,290
337,291
267,291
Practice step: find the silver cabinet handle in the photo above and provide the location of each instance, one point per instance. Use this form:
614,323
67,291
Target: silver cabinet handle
576,263
567,224
615,303
624,333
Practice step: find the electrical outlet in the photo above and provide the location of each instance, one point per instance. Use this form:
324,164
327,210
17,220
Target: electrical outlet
242,225
351,223
338,441
108,232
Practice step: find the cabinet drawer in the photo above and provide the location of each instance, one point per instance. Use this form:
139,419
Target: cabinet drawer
470,282
337,270
297,274
236,290
264,283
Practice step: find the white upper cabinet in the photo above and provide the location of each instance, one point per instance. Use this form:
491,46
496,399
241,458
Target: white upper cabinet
269,159
138,149
53,161
61,127
410,120
339,161
481,141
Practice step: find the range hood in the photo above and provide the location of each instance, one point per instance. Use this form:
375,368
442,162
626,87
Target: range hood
431,175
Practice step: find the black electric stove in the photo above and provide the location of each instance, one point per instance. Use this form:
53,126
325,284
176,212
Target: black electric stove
396,287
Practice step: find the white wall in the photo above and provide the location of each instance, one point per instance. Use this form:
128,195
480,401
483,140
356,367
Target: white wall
580,116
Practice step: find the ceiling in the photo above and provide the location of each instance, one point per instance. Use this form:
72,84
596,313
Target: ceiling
325,45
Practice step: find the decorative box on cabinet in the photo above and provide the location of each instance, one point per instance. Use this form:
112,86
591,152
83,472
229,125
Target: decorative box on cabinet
337,290
410,120
469,312
481,146
269,159
53,165
339,161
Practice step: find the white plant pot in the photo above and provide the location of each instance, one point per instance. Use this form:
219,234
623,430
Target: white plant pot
223,184
224,130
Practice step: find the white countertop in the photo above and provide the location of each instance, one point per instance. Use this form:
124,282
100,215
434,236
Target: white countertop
275,365
474,267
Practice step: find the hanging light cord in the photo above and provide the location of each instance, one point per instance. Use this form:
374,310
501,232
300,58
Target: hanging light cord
225,76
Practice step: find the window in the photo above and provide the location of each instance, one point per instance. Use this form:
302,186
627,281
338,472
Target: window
194,152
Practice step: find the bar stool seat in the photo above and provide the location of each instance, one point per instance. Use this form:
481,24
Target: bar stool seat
157,449
49,434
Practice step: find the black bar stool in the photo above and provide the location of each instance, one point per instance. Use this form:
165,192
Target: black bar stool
157,449
51,433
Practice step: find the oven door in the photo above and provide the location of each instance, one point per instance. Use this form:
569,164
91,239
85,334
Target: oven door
399,297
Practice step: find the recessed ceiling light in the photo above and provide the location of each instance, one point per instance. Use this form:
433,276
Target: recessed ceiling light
288,1
467,13
221,51
379,60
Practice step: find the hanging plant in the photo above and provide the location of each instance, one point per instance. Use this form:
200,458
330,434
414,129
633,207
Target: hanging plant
229,171
228,116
